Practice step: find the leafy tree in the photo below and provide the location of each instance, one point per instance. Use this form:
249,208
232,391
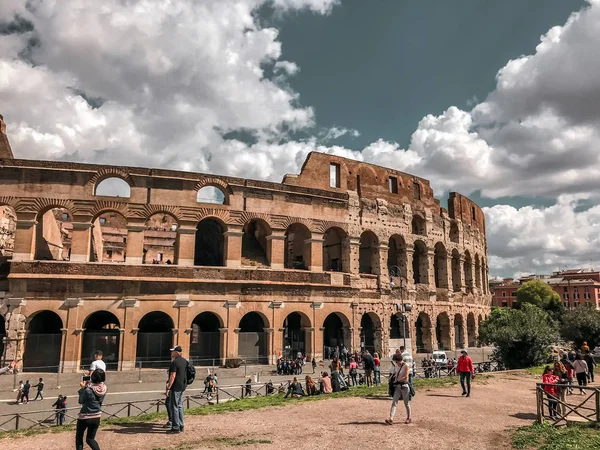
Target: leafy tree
523,337
540,294
582,324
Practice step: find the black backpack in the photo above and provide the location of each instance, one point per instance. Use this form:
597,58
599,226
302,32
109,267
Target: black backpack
190,373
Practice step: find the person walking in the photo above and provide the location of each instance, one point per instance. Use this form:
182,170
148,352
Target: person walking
40,390
466,371
549,380
589,359
97,363
585,347
314,364
560,372
410,362
377,370
581,371
369,366
175,388
353,371
91,396
20,392
399,388
58,406
25,393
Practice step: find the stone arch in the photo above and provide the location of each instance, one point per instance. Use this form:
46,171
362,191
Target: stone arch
109,237
397,256
43,342
468,271
294,335
399,328
212,194
420,263
454,234
459,331
423,333
471,330
205,339
456,278
368,259
112,186
252,338
254,243
209,247
477,271
52,234
443,332
154,339
160,237
419,225
297,246
336,333
216,183
336,251
370,333
440,266
101,332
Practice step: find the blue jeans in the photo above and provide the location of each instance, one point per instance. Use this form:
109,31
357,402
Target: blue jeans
176,408
465,376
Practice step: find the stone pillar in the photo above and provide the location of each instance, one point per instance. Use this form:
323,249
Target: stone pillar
431,268
25,233
186,245
269,336
379,338
449,276
135,244
319,344
410,277
452,334
72,335
232,350
183,303
129,330
383,264
465,333
223,345
463,286
276,250
354,255
81,241
315,253
14,346
309,339
233,248
278,348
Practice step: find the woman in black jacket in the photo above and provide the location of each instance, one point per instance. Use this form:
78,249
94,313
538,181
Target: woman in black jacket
91,396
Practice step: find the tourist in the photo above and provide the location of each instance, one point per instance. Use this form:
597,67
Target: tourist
325,383
314,364
353,371
97,363
270,388
398,388
249,387
295,389
549,380
377,370
591,363
20,391
25,392
91,396
337,381
408,360
311,387
40,390
581,372
466,371
369,366
570,370
585,347
560,372
175,388
169,423
60,405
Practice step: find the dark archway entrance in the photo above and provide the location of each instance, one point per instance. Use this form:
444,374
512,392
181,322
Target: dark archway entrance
442,331
471,333
42,347
254,243
155,338
335,250
297,249
205,340
420,263
252,342
294,336
459,330
368,254
423,333
101,333
210,244
334,334
368,338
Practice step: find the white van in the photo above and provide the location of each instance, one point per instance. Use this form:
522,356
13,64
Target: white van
439,358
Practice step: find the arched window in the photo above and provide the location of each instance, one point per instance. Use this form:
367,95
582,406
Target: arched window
160,236
397,262
205,339
101,332
53,234
419,225
113,187
109,243
255,244
335,250
154,339
42,347
369,253
252,344
420,263
454,233
440,265
210,244
297,249
211,194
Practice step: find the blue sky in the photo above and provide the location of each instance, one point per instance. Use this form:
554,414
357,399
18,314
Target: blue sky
497,100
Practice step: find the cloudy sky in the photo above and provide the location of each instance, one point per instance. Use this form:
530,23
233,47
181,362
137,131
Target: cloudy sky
497,100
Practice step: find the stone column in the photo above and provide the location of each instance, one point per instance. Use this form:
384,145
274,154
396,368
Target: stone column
463,286
431,268
183,303
14,346
315,253
452,334
135,244
465,333
383,264
232,350
309,339
186,245
269,336
81,242
354,255
223,345
233,248
127,354
25,233
276,250
72,335
410,277
449,274
319,344
278,348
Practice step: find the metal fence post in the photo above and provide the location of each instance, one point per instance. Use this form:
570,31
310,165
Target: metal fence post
217,395
598,405
128,409
17,422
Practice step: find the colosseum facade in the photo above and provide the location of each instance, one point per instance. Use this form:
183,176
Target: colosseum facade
343,253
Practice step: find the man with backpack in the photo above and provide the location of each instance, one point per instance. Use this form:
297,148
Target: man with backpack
181,374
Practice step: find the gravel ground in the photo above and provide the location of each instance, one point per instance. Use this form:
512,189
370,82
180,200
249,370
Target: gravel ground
442,419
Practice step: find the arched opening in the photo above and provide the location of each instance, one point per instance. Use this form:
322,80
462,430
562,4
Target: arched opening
420,263
454,233
205,340
297,249
42,346
294,335
210,244
53,235
211,194
2,337
113,187
477,271
254,243
456,281
101,332
370,333
459,330
8,228
468,272
442,331
160,236
252,343
423,333
335,334
471,330
368,260
397,256
154,339
335,250
109,238
440,266
418,225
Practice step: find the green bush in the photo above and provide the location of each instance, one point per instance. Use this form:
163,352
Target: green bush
582,324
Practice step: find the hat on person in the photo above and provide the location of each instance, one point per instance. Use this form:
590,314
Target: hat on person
177,348
464,350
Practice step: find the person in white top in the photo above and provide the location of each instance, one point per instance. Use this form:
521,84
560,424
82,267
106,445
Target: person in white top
581,371
97,363
399,387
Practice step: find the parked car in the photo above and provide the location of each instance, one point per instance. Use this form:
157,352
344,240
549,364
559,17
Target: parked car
439,358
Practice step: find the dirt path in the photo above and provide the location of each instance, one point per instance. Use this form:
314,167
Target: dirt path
442,420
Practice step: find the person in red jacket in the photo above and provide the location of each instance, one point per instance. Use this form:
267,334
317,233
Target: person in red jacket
466,371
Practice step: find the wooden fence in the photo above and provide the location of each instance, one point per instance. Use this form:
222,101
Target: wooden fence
569,403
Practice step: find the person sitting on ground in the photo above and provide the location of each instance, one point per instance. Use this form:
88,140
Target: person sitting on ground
281,388
325,383
311,387
270,388
295,389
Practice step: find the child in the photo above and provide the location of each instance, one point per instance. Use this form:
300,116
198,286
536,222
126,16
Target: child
550,379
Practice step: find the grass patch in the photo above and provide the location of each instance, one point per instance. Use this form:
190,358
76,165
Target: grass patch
537,371
547,437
